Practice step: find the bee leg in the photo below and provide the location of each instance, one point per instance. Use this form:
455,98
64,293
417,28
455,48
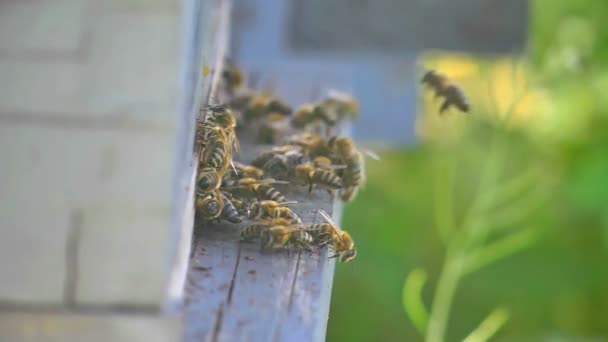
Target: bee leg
446,104
263,249
333,256
289,249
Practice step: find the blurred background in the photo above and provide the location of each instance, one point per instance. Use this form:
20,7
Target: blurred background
496,216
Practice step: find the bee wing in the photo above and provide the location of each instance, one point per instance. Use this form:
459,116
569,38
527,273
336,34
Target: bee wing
283,204
265,221
331,221
296,227
271,181
235,143
335,167
260,181
236,172
370,153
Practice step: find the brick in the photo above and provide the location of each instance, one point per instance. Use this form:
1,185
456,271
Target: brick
33,236
124,67
118,182
65,327
123,256
53,26
133,66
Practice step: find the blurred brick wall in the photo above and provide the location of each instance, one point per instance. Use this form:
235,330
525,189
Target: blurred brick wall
96,117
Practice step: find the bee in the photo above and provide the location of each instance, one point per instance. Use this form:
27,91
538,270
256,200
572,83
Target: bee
322,162
221,116
238,171
210,205
345,106
309,114
208,179
241,206
254,230
310,144
272,128
239,103
229,212
277,237
265,156
311,175
278,107
261,189
353,175
232,76
261,105
273,209
216,153
248,171
443,87
329,233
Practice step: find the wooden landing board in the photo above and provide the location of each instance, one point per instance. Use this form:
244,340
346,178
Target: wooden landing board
236,293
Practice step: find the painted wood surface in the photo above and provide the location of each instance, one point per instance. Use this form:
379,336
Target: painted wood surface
236,293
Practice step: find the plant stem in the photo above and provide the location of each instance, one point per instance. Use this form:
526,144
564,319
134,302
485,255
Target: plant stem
442,302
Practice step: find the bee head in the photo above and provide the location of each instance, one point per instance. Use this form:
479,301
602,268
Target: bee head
428,77
253,209
348,255
211,207
206,182
279,106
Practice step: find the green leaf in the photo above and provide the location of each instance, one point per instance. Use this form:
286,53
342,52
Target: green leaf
412,299
489,326
500,249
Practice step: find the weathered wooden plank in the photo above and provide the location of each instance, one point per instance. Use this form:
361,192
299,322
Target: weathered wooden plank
236,293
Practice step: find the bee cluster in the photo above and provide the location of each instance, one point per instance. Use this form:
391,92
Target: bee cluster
304,154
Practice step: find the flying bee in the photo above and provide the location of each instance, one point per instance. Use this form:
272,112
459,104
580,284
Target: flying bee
443,87
260,189
311,176
211,205
339,240
229,212
273,209
254,230
232,76
208,179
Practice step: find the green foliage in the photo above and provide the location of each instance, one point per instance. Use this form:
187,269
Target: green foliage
498,221
412,299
